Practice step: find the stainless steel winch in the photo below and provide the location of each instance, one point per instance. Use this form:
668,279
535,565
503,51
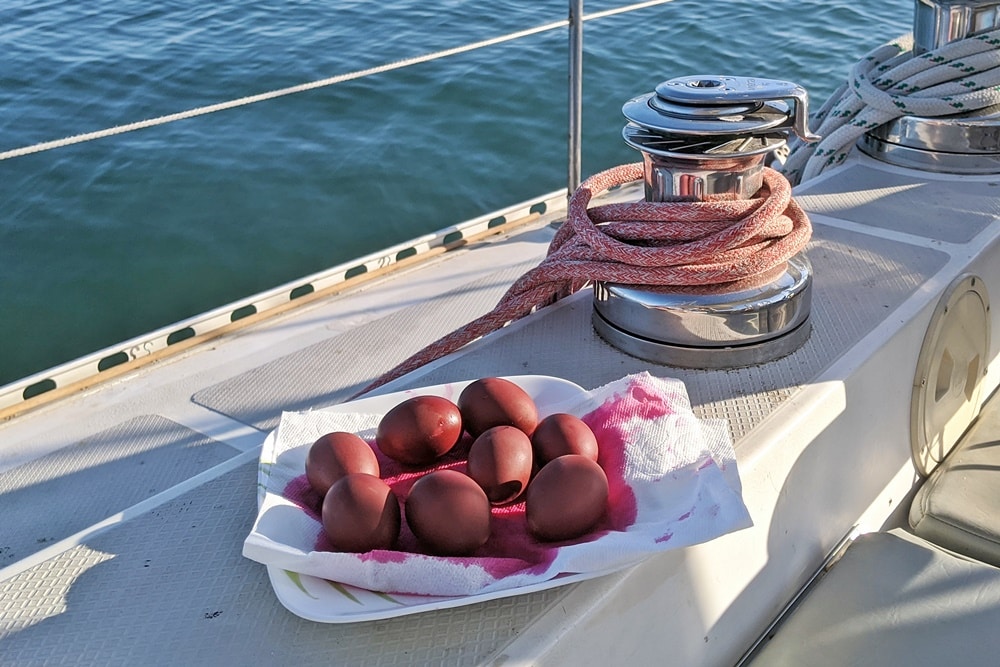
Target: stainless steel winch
965,143
702,137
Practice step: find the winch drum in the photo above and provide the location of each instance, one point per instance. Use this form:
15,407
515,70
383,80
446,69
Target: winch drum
702,138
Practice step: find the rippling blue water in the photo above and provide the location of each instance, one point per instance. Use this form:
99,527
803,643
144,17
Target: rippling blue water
106,240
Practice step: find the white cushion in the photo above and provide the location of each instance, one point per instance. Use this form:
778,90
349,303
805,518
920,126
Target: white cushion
958,506
894,599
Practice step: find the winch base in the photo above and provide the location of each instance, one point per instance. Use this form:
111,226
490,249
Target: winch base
701,357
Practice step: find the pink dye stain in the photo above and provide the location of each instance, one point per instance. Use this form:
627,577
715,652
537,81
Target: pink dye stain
511,548
383,556
608,424
302,494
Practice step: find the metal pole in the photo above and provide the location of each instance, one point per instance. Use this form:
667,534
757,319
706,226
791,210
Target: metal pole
575,93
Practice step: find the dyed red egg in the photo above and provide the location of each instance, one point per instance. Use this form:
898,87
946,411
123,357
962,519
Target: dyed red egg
419,430
561,434
337,454
449,513
566,499
490,402
500,462
361,513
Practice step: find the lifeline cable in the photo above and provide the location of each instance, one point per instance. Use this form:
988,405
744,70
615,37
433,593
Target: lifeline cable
890,82
686,245
313,85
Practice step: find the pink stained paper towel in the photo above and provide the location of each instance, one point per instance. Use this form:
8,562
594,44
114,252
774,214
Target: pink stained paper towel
672,477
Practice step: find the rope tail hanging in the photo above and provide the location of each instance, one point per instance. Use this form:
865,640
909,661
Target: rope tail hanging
685,245
890,82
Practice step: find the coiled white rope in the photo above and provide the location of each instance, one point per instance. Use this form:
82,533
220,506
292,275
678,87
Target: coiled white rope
890,82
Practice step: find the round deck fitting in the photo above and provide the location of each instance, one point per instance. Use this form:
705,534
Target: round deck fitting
948,379
967,143
709,330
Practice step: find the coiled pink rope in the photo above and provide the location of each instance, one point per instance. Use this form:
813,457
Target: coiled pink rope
696,246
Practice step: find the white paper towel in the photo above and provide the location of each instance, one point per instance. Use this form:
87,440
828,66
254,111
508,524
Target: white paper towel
672,478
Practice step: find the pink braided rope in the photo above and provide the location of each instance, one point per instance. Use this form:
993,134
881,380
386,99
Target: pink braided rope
719,244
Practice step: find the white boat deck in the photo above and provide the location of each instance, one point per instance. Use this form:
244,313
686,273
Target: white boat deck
127,503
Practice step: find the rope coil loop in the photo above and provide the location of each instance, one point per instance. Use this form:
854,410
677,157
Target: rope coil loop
716,245
890,82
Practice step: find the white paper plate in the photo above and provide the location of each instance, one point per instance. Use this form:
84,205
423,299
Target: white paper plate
325,601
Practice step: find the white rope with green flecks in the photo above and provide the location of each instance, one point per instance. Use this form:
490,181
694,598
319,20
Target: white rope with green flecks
890,82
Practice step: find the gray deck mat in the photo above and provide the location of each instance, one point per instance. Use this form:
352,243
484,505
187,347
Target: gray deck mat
859,280
190,598
335,369
70,487
886,200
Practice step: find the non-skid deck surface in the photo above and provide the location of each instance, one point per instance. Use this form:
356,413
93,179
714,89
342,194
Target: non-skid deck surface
171,588
859,281
951,211
62,493
332,370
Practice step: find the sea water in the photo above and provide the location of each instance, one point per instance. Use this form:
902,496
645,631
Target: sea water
106,240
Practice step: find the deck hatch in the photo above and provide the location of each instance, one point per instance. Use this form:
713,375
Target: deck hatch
951,365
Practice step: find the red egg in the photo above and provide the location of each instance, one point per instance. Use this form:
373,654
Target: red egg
337,454
419,430
490,402
449,513
566,499
560,434
361,513
500,462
